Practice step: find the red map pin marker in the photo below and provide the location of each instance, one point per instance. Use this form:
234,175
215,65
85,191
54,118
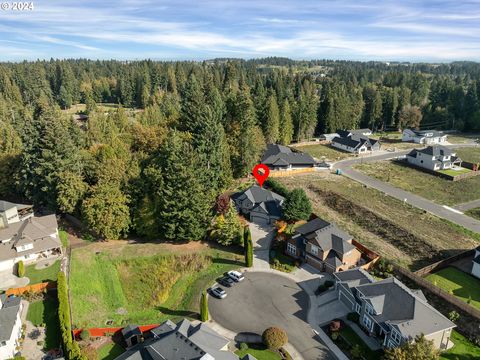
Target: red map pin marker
261,173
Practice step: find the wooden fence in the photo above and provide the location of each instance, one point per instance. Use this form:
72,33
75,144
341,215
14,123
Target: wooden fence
283,173
109,331
421,282
35,288
443,263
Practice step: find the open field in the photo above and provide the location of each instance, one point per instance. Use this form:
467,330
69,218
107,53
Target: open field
43,275
462,350
396,231
462,285
475,213
471,154
44,312
142,283
321,151
435,188
462,138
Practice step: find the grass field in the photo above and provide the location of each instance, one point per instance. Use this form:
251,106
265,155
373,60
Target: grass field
469,154
462,350
45,312
441,191
462,285
43,275
440,238
320,151
455,172
475,213
259,352
462,138
110,351
63,238
142,283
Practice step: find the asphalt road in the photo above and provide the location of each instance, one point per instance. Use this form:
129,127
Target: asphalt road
346,166
263,300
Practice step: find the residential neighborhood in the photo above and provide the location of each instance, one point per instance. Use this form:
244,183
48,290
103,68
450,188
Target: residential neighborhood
239,180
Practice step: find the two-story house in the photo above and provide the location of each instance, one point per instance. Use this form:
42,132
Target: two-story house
259,205
424,136
279,157
324,246
476,263
433,158
29,240
390,311
11,213
10,325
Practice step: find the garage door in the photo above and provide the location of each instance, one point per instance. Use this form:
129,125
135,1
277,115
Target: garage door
260,220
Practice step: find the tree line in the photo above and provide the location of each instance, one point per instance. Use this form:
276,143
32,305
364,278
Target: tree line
157,170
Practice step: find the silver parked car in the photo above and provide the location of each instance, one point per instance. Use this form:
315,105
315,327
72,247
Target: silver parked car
218,292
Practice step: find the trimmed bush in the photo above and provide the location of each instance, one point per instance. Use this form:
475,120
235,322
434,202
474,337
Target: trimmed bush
248,247
353,316
20,269
204,307
243,346
275,186
274,338
85,334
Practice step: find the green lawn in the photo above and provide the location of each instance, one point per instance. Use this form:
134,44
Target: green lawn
462,350
47,274
321,151
470,154
475,213
429,186
46,312
142,283
110,351
452,172
458,283
63,238
353,339
259,352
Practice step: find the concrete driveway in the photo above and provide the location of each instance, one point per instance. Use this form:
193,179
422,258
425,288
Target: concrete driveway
266,299
262,236
8,280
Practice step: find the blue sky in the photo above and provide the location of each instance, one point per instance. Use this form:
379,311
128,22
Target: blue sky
194,30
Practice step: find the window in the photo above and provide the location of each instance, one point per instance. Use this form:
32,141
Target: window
368,309
396,337
292,249
358,308
314,250
367,322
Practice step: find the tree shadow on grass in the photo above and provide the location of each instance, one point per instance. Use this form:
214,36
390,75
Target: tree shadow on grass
178,313
227,262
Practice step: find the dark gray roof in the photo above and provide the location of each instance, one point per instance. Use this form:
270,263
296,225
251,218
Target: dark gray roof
183,341
400,307
354,277
312,226
428,133
354,141
280,155
437,150
346,133
264,200
477,259
9,308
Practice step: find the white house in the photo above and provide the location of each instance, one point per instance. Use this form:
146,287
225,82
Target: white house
29,240
11,213
424,136
10,326
476,263
357,144
435,158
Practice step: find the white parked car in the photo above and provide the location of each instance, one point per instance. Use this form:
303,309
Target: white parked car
235,275
218,292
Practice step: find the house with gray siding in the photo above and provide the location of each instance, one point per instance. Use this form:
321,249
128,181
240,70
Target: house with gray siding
433,158
390,311
259,205
355,141
183,340
279,157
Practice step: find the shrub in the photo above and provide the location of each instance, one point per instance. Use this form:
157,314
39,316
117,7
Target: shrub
85,334
453,316
248,247
275,186
281,226
243,346
328,284
320,289
204,307
334,335
335,325
356,351
222,204
274,338
353,316
20,269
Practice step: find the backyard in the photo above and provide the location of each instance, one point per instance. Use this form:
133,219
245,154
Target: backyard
462,285
116,283
322,151
435,188
42,275
259,351
462,350
44,313
396,231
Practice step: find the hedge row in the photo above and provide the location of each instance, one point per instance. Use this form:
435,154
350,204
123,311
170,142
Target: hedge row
70,346
275,186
